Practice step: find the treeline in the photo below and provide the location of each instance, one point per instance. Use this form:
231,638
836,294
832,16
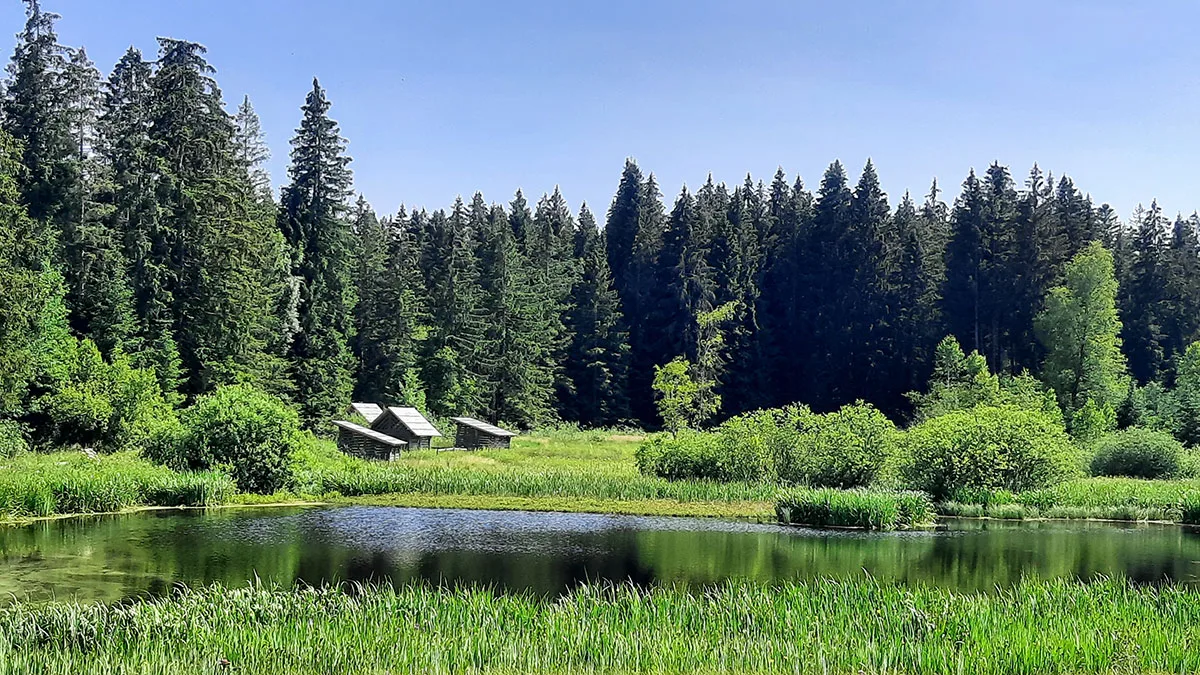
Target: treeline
135,213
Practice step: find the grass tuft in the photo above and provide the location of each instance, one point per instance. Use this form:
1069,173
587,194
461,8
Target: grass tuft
867,509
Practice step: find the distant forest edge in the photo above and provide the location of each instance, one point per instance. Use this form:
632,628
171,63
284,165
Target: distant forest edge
136,216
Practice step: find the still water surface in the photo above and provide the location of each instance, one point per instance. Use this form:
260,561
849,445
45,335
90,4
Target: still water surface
108,558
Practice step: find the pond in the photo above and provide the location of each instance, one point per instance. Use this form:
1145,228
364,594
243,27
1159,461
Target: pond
109,558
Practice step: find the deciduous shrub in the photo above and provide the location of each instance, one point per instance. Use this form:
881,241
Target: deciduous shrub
239,430
988,447
1138,453
843,449
685,455
12,439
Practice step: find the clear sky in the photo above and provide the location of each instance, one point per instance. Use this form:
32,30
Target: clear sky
445,98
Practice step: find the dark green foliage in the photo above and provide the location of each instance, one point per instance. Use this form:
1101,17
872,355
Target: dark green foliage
241,431
1137,453
313,219
988,447
685,455
597,359
866,509
13,439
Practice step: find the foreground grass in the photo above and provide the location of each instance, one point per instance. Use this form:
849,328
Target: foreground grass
819,627
40,485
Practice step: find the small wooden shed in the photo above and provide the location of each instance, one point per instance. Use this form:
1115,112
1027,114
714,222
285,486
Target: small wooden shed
369,411
407,424
367,443
473,434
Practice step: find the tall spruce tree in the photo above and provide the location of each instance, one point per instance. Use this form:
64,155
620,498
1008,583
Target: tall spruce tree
99,297
312,217
597,359
1142,299
522,326
685,282
639,307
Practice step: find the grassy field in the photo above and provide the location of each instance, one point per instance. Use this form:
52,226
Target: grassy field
555,471
1099,498
821,627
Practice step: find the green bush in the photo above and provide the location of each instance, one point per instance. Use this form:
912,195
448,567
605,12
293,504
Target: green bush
988,447
685,455
101,404
1138,453
12,439
843,449
239,430
869,509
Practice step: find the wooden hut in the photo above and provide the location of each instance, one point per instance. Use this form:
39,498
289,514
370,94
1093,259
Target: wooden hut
407,424
367,443
473,434
369,411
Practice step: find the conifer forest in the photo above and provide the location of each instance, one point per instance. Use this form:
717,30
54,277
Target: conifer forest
136,217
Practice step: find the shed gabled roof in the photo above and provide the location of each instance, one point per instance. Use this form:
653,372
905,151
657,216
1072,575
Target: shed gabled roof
483,426
370,411
371,434
412,419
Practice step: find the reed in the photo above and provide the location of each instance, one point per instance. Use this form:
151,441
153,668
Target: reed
1099,498
857,626
867,509
36,485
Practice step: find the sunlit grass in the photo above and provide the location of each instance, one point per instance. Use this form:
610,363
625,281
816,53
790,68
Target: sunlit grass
1098,498
818,627
866,509
38,485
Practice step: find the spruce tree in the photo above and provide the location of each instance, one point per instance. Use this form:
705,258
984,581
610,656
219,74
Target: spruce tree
452,365
597,359
1142,301
519,362
99,297
685,282
640,307
35,114
621,228
313,219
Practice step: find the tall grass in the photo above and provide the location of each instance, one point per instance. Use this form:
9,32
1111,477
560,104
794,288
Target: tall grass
70,482
868,509
819,627
1102,498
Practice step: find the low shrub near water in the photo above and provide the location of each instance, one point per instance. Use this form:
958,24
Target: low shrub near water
868,509
1138,453
988,447
238,430
847,448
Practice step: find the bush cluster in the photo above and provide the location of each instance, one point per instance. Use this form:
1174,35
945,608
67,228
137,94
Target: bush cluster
844,449
238,430
1138,453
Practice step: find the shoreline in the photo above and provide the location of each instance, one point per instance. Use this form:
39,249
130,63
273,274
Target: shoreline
760,512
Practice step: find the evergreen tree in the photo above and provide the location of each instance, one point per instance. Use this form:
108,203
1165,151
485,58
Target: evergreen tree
250,147
597,360
312,217
685,281
1181,293
640,306
828,276
1142,300
36,115
522,326
452,367
621,228
915,287
99,297
372,335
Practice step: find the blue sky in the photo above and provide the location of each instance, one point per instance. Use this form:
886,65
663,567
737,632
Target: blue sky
444,98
